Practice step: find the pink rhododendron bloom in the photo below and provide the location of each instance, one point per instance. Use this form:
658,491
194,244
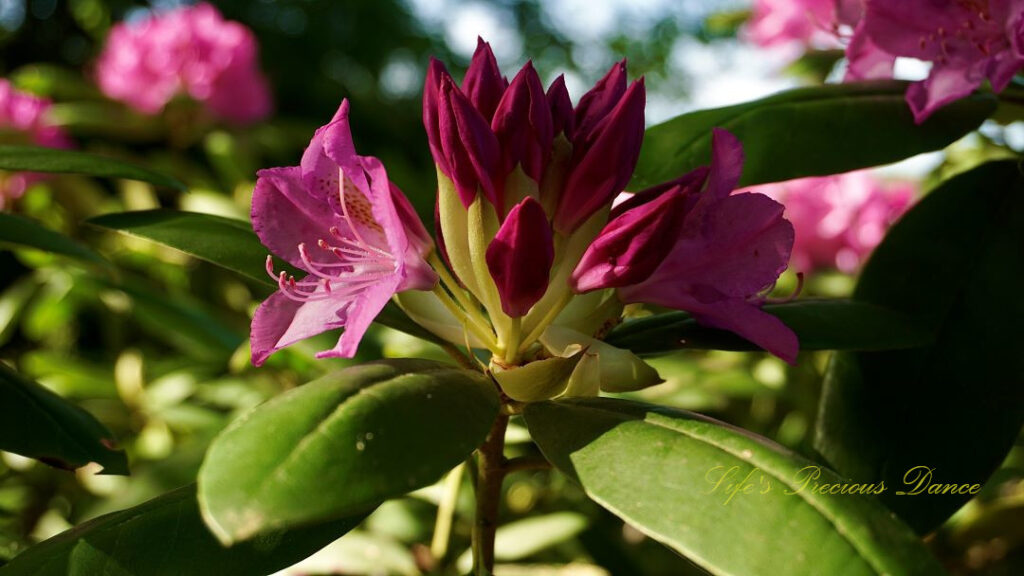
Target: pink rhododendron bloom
967,42
189,50
838,219
527,180
24,119
338,218
695,246
534,261
794,22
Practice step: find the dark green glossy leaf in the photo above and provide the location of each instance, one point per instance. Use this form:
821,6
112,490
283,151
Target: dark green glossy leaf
21,232
343,444
37,423
819,324
954,264
166,537
178,319
808,132
227,243
698,486
222,241
38,159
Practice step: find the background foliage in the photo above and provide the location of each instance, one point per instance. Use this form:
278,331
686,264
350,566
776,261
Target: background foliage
151,341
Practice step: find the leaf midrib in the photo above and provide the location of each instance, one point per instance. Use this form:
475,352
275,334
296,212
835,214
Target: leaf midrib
827,515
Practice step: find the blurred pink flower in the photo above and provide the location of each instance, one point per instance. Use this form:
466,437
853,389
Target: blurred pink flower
798,23
190,50
838,219
967,42
337,217
24,119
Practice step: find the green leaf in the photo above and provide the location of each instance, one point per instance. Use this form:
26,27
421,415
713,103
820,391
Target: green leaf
178,320
953,263
37,423
819,324
166,537
221,241
22,232
808,132
699,486
227,243
343,444
38,159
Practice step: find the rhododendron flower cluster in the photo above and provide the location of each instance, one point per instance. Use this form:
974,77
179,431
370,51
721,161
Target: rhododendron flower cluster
531,262
967,42
189,50
25,119
838,219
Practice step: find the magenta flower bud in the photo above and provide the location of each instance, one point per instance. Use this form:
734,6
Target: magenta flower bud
563,119
631,246
695,178
468,145
596,104
484,85
522,124
604,164
709,252
520,257
431,91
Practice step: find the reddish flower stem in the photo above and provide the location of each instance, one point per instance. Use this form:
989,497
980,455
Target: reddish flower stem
490,474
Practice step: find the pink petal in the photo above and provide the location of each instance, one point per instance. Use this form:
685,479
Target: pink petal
943,85
739,244
332,149
866,60
730,251
419,238
284,215
743,318
412,271
280,321
364,309
726,164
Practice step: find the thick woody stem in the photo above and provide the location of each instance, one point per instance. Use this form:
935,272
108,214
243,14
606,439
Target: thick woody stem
490,474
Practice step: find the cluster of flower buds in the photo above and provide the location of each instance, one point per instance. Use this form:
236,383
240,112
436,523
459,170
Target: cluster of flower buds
190,50
25,119
533,263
